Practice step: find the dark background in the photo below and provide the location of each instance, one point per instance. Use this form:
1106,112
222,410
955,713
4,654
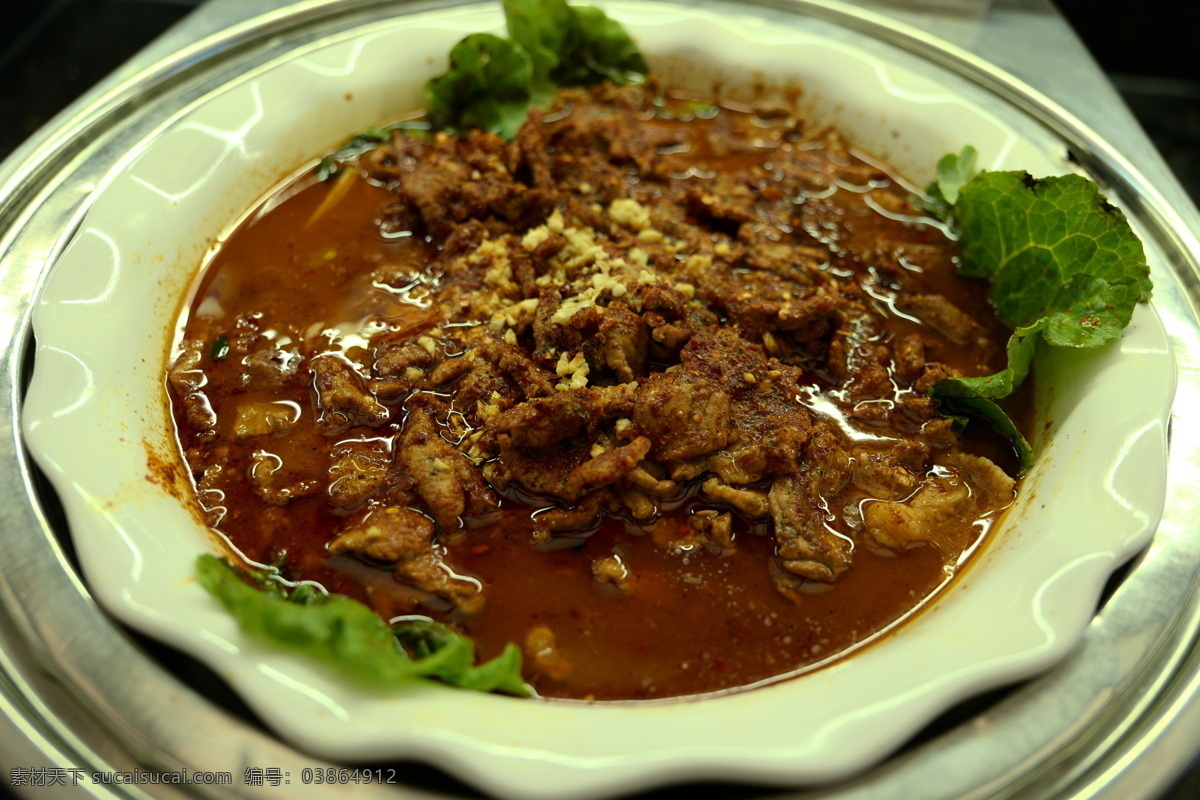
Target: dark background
53,51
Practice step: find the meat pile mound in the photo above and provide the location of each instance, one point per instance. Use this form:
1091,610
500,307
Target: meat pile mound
640,307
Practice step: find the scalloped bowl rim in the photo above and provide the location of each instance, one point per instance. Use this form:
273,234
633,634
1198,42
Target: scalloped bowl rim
95,421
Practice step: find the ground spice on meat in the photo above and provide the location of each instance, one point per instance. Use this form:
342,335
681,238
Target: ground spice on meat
645,387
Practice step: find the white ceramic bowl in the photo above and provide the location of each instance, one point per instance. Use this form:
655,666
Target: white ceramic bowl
96,420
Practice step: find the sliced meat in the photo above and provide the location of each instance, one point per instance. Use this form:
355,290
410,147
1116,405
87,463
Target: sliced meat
623,338
749,502
480,380
529,378
447,371
469,179
532,150
607,468
542,472
264,419
274,483
386,534
644,480
684,416
569,518
186,379
964,487
811,317
396,356
342,400
541,650
639,504
807,546
271,368
610,569
939,313
358,470
403,538
891,473
545,422
447,483
909,357
714,527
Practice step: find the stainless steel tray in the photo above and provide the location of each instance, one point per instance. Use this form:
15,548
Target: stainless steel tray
1117,720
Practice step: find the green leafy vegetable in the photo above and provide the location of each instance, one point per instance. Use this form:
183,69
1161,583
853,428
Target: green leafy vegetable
598,48
974,398
954,171
349,637
220,348
330,165
493,82
488,86
541,28
1052,248
1064,264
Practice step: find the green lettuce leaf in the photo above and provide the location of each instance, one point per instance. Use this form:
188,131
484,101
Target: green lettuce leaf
488,87
598,48
1020,351
351,639
954,171
974,398
573,45
541,27
493,82
966,407
1065,266
1052,248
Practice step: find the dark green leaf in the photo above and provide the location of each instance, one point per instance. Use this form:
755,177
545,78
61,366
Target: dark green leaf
492,82
422,638
1021,347
501,674
487,87
954,170
540,27
967,398
985,410
1052,247
350,638
1065,267
220,348
596,49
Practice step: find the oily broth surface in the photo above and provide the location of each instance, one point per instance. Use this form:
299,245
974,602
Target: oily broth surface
686,623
